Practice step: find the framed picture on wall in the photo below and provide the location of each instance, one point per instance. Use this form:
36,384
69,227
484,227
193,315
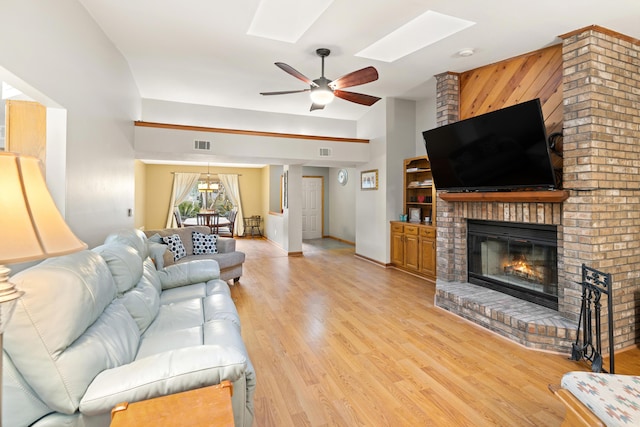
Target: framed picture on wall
369,180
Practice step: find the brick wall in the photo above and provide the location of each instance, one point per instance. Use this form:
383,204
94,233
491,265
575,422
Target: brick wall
601,87
448,225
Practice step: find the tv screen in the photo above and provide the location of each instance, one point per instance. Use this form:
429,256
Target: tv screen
501,150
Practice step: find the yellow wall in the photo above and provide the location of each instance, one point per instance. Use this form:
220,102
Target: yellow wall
159,181
139,193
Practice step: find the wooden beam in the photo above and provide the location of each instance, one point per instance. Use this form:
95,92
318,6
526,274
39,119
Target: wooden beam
247,132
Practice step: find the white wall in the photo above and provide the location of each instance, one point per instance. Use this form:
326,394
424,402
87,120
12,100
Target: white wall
391,129
230,118
371,227
177,145
342,205
401,125
425,120
56,48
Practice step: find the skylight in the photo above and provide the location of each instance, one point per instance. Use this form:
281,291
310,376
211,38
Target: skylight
426,29
286,20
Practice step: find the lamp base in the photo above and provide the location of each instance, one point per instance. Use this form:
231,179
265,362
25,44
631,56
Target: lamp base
8,296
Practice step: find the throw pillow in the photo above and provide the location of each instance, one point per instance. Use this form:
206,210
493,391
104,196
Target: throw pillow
155,238
174,244
156,252
204,243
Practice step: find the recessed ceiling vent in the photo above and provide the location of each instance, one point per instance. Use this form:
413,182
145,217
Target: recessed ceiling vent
199,144
325,152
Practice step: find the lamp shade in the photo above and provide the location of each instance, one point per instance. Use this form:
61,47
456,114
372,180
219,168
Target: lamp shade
31,226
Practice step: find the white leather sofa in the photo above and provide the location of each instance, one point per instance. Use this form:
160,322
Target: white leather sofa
103,326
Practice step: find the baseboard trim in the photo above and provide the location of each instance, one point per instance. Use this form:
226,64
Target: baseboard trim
371,260
341,240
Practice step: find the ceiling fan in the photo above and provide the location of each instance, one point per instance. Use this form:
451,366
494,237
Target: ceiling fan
323,90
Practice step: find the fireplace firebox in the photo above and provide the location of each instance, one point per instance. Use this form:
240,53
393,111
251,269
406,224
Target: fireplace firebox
516,259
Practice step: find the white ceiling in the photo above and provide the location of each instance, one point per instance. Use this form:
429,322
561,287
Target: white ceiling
198,51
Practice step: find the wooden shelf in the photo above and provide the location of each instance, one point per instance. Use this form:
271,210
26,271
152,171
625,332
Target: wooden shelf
549,196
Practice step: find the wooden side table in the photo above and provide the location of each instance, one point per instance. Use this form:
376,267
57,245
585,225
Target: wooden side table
207,406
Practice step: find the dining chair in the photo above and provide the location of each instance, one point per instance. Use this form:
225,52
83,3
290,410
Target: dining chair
210,219
252,224
230,225
178,217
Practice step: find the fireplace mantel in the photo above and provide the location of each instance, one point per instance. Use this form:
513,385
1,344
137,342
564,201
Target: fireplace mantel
548,196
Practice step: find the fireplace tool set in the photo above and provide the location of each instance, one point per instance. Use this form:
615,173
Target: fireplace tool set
594,284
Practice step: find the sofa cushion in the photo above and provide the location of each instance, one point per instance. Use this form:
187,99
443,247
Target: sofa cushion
199,270
174,244
204,243
169,340
151,274
164,373
130,237
23,404
224,260
198,290
143,301
124,263
67,328
177,315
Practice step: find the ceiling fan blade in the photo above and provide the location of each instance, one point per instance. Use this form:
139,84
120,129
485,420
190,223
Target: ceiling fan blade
358,98
295,73
365,75
316,107
284,92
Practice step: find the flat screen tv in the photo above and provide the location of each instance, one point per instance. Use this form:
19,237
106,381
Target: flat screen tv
502,150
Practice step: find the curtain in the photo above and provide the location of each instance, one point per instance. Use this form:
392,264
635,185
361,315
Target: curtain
231,185
182,185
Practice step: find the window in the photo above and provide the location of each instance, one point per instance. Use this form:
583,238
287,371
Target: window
208,195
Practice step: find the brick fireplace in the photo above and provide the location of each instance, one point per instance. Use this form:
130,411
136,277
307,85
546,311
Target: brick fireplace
598,224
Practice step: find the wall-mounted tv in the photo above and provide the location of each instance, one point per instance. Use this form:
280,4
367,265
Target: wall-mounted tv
502,150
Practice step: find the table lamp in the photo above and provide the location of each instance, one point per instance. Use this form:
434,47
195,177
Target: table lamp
31,228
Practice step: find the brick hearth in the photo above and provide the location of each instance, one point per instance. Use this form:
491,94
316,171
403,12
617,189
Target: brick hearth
599,224
529,324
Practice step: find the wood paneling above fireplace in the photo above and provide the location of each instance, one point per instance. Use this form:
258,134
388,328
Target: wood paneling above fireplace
533,75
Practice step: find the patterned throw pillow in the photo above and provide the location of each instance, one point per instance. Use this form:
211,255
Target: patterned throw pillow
204,243
174,244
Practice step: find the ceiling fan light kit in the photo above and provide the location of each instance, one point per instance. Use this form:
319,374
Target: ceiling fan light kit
321,95
322,90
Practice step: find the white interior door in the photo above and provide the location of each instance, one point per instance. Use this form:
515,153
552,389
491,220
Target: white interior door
312,207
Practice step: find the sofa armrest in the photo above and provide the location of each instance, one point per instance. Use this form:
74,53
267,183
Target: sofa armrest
162,374
226,245
188,273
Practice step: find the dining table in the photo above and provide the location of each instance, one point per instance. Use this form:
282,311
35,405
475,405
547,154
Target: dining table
213,220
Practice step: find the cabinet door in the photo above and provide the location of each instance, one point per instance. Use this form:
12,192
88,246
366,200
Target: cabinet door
411,251
397,249
428,256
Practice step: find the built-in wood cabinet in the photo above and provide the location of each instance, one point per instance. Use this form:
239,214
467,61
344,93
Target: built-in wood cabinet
413,248
419,199
428,251
413,242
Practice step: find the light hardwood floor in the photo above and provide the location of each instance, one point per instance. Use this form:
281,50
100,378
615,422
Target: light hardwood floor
339,341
